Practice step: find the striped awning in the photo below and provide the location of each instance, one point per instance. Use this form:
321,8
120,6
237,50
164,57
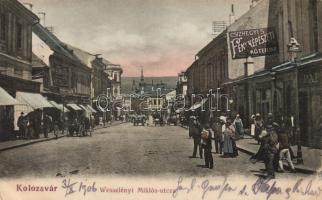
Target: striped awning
84,108
59,106
91,109
74,106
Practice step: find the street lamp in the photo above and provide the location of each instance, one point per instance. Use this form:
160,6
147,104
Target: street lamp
158,89
293,48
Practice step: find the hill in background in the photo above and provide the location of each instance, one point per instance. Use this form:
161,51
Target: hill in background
127,82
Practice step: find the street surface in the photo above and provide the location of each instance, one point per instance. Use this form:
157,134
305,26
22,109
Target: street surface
121,150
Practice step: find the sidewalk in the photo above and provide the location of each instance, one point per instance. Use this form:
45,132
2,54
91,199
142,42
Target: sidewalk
311,157
11,144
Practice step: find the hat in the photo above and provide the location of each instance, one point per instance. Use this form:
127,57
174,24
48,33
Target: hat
223,118
258,115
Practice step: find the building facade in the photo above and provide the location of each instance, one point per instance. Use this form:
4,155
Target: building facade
114,72
286,82
210,69
182,84
15,58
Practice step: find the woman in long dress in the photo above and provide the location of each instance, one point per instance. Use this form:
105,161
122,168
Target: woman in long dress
229,147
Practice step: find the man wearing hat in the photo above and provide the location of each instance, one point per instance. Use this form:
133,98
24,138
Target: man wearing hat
195,131
269,139
259,126
206,136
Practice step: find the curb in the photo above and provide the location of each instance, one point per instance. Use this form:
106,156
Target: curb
30,143
298,169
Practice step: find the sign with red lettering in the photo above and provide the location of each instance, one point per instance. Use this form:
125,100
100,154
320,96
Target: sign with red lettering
253,43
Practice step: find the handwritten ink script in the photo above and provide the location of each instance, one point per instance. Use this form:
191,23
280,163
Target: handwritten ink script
305,188
72,187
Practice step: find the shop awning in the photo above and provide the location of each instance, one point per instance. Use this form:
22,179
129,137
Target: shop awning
84,108
34,100
6,99
59,106
179,110
91,109
198,105
74,106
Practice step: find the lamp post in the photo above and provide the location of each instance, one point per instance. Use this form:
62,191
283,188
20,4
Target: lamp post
158,89
293,48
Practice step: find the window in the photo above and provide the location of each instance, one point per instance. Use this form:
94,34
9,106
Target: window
19,35
2,26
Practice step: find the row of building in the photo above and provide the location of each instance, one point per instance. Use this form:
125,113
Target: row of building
36,66
268,60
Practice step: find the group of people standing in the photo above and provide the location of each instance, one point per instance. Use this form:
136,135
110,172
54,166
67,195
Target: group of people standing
30,126
274,145
272,136
221,131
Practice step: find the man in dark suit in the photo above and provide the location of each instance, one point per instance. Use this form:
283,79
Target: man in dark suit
206,136
22,124
196,135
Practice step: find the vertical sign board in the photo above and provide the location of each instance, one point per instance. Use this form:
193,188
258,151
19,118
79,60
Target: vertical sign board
253,43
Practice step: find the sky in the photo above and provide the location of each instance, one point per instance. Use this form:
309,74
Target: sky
162,36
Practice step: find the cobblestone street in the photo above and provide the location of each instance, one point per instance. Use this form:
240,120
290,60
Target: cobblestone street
121,150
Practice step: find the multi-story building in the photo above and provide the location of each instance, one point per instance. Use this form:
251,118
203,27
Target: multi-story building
114,72
99,78
15,47
284,81
67,71
210,68
15,59
182,84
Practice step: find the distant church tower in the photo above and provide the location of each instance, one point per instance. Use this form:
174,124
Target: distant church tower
142,75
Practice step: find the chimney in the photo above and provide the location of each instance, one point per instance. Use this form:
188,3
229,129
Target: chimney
42,18
232,15
253,4
28,5
249,67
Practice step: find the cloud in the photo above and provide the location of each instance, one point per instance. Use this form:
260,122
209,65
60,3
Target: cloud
162,36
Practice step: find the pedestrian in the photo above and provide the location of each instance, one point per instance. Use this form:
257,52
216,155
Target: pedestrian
191,125
22,124
37,123
269,138
229,145
195,131
92,122
150,121
206,136
239,128
252,125
218,137
47,125
259,126
284,153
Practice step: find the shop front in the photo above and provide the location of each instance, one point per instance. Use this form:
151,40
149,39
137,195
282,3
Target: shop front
310,103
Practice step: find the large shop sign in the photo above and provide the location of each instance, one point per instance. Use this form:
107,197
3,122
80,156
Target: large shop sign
254,42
